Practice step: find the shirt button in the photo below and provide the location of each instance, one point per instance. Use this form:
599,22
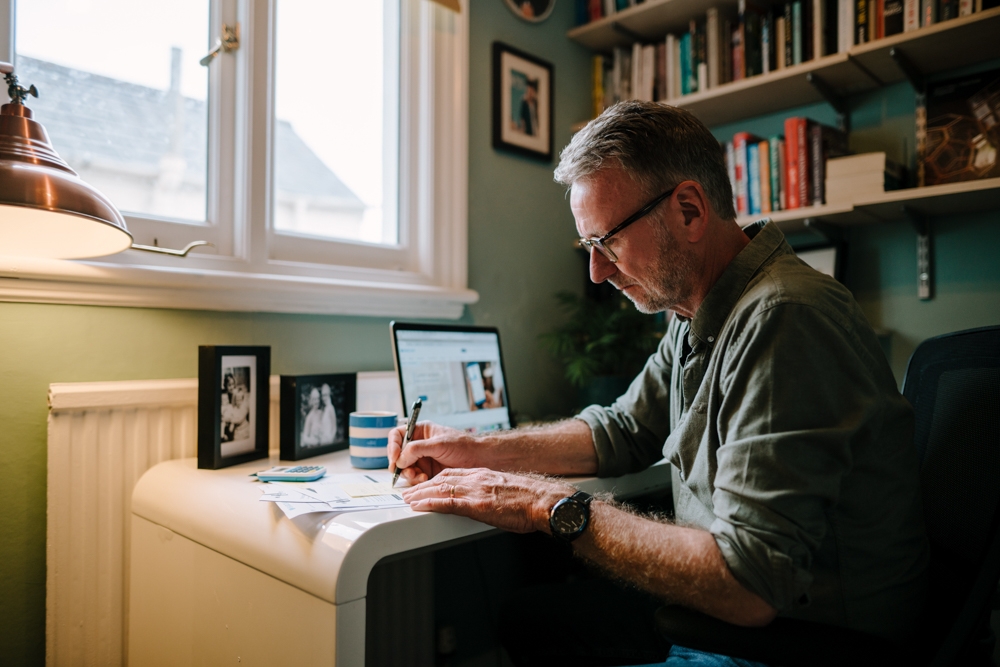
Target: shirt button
711,339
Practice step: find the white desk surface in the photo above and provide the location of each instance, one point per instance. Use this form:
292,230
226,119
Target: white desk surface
328,555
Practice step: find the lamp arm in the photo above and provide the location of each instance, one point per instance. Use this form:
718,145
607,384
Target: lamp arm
171,251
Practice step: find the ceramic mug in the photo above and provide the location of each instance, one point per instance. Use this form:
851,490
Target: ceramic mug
369,435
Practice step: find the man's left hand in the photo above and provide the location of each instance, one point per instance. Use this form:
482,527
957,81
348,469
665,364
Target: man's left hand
516,503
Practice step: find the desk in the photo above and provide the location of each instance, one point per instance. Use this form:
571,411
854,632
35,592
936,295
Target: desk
219,577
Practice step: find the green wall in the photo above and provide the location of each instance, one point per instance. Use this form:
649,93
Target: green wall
520,233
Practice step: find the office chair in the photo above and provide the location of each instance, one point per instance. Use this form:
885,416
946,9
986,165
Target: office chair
953,383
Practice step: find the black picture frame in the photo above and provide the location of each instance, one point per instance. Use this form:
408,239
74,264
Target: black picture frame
234,384
521,124
308,430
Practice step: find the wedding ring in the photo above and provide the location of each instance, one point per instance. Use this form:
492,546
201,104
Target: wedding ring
452,492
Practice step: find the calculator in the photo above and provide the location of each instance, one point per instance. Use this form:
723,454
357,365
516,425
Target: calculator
292,474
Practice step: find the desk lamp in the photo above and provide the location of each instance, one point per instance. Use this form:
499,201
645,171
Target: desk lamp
46,210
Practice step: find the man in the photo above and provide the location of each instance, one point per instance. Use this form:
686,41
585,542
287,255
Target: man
795,477
529,108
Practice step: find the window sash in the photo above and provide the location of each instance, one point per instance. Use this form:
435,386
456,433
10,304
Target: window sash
257,269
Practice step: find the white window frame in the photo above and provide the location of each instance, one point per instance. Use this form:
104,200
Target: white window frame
425,276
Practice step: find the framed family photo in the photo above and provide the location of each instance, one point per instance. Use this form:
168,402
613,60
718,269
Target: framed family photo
233,401
522,103
314,412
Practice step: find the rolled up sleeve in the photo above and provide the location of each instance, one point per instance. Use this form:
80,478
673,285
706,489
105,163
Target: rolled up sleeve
795,395
629,434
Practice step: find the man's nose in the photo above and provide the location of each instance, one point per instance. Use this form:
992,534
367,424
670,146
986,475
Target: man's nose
601,268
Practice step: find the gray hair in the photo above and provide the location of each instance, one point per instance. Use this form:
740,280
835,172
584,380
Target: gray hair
657,145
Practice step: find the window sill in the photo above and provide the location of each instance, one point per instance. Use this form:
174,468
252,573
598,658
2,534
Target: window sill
93,283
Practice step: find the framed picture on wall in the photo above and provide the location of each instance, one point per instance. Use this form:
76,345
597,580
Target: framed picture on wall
522,103
314,412
233,402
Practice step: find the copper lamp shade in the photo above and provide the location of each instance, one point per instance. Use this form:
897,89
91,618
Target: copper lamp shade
45,209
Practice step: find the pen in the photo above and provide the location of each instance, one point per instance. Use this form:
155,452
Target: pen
410,425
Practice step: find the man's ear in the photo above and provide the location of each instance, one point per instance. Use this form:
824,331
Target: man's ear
695,207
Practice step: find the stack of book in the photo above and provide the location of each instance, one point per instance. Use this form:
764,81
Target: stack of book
858,178
782,171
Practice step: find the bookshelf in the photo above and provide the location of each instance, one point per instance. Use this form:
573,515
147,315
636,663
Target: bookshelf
942,47
936,48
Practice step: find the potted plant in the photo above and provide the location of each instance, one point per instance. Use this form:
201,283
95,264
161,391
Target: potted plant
603,344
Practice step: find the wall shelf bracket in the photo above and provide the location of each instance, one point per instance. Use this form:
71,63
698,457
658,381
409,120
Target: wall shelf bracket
925,270
627,32
914,75
836,101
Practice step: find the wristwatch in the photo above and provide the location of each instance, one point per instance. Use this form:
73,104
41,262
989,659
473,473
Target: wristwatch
569,517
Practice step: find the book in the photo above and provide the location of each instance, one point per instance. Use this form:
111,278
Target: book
701,55
766,43
947,10
961,132
911,15
741,143
860,22
636,74
845,25
739,71
648,79
797,162
713,46
779,42
753,61
687,79
892,17
965,7
825,142
753,178
818,28
808,19
764,174
789,35
673,67
796,32
872,20
776,146
731,170
597,71
725,52
928,12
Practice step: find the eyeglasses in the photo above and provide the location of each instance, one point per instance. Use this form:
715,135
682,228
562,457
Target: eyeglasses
599,243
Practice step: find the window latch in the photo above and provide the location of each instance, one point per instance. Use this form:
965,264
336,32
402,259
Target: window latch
230,42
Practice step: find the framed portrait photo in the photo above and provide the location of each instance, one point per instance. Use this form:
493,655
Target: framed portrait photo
314,413
233,401
534,11
522,103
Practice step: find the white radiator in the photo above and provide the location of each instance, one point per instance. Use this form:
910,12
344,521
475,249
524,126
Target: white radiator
102,437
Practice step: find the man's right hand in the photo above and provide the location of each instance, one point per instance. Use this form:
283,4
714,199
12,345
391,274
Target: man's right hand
434,448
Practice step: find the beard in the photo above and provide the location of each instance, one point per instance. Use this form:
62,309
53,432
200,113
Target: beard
667,282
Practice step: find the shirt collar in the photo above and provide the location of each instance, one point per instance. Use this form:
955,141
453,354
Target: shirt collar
722,297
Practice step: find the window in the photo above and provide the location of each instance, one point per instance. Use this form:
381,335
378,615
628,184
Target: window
324,158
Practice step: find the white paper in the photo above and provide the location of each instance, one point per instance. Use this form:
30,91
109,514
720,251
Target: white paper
330,494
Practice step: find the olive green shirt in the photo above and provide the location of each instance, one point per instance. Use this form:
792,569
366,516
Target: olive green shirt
789,440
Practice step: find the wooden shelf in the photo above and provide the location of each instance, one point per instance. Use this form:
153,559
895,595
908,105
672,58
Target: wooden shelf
930,201
936,48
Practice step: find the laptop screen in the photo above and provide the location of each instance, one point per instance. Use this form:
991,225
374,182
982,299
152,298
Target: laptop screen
457,372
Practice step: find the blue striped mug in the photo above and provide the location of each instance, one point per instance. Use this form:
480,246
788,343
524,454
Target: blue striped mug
369,434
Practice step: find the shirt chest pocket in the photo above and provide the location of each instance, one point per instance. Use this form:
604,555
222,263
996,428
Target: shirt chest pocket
689,448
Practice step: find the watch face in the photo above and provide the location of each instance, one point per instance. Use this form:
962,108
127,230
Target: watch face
569,517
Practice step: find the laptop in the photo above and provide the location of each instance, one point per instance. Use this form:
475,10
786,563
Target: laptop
456,371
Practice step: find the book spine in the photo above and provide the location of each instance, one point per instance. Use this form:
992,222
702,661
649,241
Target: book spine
740,165
928,12
764,153
740,44
789,33
818,25
802,159
783,172
636,74
845,25
737,54
779,42
816,163
753,178
751,43
686,63
581,15
921,122
713,47
860,21
660,85
726,51
796,32
879,19
766,44
792,162
872,15
671,49
700,41
776,150
948,10
731,170
831,27
598,90
807,30
911,15
892,17
965,7
596,9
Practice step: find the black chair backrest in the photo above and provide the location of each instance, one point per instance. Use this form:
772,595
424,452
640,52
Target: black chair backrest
953,383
